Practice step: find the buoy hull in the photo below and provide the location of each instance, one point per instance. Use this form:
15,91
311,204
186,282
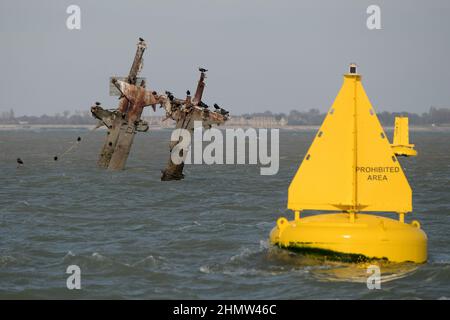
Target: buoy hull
369,237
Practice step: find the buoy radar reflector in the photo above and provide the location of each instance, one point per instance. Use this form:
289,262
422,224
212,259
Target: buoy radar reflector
350,172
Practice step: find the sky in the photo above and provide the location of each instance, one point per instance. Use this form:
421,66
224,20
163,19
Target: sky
275,55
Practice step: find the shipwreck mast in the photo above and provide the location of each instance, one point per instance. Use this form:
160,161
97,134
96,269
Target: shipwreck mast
185,113
118,123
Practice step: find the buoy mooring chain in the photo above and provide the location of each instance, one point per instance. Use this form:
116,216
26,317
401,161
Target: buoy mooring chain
20,162
349,138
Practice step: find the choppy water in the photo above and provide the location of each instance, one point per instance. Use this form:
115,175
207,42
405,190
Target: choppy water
205,237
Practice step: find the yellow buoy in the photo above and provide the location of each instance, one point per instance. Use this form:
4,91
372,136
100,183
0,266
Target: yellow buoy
400,144
351,168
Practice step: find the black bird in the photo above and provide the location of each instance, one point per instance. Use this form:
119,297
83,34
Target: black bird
203,105
79,139
188,93
216,106
97,103
223,112
141,40
202,69
55,158
19,161
171,97
168,93
154,93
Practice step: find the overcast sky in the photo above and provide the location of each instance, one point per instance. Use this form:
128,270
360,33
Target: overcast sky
262,55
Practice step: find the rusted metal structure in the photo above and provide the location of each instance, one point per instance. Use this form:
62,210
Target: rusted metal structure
185,113
138,98
125,121
117,120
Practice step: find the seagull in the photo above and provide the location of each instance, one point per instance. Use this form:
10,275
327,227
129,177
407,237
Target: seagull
216,106
19,161
202,69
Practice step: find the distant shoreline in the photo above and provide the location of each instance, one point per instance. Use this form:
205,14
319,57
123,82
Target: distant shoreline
19,127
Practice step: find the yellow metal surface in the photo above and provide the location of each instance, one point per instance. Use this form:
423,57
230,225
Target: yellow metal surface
350,165
404,151
370,237
400,144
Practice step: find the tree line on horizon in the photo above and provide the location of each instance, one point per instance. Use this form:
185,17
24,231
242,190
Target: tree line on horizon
434,116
